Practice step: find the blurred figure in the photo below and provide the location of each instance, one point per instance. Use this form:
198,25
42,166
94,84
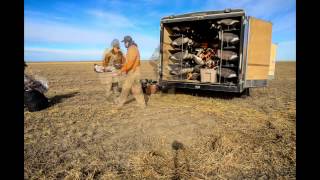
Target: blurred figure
111,64
34,98
132,70
114,57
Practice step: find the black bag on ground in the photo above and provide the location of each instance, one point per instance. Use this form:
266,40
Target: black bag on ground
35,101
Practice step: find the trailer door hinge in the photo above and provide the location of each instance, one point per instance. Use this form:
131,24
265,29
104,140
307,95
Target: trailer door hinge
245,21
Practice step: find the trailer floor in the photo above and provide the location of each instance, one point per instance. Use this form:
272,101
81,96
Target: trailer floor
178,136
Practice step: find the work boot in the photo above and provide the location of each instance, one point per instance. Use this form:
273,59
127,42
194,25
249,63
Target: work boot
108,94
116,92
117,103
142,106
111,98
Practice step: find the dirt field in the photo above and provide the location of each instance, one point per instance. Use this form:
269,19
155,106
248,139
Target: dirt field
178,136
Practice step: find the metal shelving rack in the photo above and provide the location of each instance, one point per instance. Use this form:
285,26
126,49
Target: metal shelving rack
220,66
181,56
225,48
182,50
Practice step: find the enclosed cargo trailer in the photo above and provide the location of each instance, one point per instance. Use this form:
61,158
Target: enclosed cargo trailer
237,48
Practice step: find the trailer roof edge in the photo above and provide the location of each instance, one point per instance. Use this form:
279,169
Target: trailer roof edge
201,13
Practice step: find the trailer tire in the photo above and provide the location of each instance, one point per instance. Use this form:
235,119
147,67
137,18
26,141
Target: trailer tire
168,90
172,90
245,93
163,90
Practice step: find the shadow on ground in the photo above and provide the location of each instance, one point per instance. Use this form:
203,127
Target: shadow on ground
132,99
59,98
206,93
181,162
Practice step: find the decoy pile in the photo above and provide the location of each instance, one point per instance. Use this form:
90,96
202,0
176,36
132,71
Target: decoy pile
213,45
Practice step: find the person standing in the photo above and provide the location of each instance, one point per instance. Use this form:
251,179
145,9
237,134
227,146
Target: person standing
132,70
112,62
113,57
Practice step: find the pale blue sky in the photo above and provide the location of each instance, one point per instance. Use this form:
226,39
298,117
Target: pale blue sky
81,30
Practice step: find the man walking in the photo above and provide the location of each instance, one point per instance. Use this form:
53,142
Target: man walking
132,69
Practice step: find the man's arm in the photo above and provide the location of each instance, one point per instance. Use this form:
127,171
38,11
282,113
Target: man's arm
106,59
130,59
123,59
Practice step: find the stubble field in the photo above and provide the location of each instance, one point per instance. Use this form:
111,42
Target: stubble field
178,136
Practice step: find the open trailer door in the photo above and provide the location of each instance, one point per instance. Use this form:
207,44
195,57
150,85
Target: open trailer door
258,52
272,61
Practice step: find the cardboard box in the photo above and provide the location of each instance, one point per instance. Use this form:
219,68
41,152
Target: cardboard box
208,75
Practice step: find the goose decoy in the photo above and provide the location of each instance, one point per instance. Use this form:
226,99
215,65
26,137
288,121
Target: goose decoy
98,68
229,37
184,29
31,83
176,28
198,60
227,73
181,71
179,41
176,57
176,67
227,55
228,22
101,69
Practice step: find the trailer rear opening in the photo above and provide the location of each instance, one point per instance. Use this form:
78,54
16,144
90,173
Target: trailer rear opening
215,50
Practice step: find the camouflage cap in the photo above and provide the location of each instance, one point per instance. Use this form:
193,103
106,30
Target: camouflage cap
127,39
115,43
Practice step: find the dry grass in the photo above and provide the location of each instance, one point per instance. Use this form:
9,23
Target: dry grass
179,136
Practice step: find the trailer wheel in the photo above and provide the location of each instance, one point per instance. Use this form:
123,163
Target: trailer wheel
172,90
245,93
163,90
168,90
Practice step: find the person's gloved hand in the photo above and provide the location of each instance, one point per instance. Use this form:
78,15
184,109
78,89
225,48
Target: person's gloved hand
117,66
115,74
119,73
122,73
